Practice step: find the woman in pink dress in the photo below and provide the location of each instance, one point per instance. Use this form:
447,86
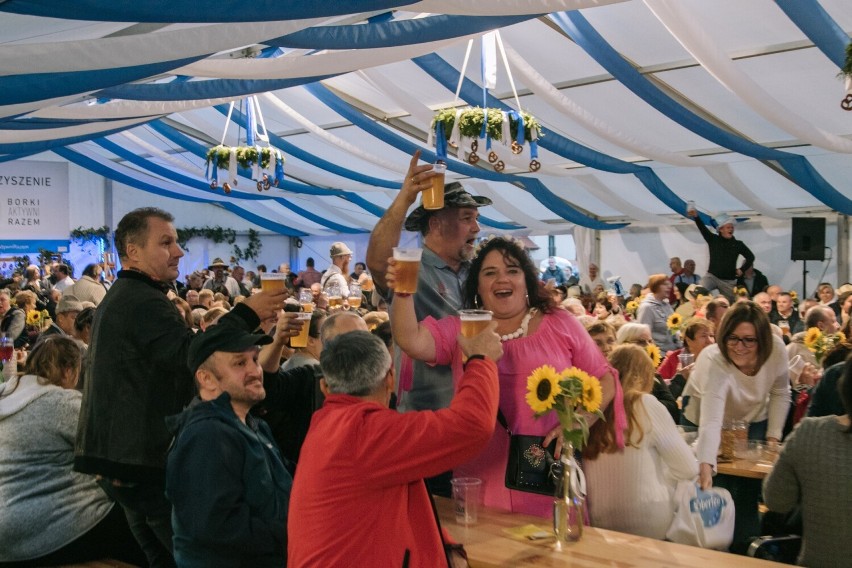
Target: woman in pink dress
534,332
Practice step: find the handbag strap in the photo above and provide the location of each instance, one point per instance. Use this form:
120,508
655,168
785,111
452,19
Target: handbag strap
502,420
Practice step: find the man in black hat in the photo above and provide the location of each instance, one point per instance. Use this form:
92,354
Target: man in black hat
448,236
225,476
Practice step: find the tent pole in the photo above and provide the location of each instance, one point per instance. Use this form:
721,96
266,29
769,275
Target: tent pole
842,248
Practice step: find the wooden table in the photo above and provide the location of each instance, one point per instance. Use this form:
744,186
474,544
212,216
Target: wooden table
488,546
744,468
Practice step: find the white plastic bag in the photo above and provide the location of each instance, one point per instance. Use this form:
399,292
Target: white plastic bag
702,518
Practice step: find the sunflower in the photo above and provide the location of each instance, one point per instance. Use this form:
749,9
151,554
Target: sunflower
675,321
33,317
654,353
542,389
839,337
812,337
794,295
592,394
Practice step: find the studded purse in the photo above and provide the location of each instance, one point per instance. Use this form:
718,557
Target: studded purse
531,466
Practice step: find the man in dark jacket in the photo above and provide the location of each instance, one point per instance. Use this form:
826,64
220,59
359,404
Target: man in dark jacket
138,375
239,515
725,250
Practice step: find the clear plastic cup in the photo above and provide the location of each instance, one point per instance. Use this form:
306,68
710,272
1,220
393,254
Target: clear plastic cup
408,267
433,197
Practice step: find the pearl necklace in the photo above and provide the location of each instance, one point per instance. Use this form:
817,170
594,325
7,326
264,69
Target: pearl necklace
521,331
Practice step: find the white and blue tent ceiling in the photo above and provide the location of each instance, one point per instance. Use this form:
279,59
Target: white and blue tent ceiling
645,104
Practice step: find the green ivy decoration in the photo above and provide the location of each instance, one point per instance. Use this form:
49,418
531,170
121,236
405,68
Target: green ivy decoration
470,123
252,250
246,156
215,234
83,235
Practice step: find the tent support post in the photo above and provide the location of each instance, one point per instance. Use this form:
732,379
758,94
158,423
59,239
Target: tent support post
842,248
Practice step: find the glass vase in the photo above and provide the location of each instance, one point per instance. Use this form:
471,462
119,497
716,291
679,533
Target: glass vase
569,500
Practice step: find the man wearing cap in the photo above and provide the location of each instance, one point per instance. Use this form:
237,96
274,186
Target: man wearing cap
137,375
722,272
66,312
338,272
220,282
225,476
449,236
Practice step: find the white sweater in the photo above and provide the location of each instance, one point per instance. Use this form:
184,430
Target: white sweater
728,394
632,490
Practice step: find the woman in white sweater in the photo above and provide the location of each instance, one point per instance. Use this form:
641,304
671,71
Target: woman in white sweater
743,377
50,514
631,490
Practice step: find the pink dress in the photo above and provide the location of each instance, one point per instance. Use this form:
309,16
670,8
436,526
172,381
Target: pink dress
560,341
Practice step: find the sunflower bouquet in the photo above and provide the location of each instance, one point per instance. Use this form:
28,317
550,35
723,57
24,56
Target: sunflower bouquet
820,343
38,320
674,323
571,394
741,292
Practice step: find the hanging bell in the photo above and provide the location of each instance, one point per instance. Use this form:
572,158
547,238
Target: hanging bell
473,158
535,165
516,148
214,184
499,166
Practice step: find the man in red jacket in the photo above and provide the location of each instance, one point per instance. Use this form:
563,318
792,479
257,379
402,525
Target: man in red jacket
359,498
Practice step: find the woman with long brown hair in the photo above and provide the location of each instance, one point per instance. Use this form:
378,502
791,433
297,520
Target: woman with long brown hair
631,489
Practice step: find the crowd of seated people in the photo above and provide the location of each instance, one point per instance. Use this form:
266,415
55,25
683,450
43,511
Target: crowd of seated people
697,363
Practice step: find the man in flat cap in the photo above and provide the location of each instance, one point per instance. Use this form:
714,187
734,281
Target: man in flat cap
338,272
449,236
225,476
66,312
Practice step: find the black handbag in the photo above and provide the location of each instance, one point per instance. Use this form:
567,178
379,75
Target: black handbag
531,466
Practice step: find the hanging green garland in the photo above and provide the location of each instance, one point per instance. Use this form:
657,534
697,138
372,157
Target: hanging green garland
223,235
252,250
246,156
85,234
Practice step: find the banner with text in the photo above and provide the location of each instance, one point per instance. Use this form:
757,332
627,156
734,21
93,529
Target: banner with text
33,207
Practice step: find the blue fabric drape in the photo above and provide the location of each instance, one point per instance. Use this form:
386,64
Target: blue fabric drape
204,186
110,173
798,167
190,11
394,33
16,89
810,17
25,148
531,185
207,89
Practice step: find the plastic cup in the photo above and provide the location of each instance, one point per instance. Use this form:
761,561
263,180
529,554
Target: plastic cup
306,300
473,321
354,296
466,499
685,359
408,267
785,327
272,281
690,206
301,340
433,197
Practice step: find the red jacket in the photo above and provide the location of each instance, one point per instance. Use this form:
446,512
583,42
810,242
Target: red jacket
359,499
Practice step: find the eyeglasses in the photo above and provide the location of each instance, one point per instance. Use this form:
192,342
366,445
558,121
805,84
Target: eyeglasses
747,342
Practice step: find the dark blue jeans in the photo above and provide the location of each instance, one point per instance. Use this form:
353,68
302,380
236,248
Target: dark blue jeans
149,515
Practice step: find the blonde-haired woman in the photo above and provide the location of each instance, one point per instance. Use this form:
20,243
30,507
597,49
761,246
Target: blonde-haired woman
631,490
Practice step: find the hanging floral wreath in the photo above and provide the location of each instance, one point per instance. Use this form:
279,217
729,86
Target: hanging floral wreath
846,72
475,123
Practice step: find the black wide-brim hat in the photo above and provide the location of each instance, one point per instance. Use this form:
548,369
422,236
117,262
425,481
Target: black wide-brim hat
454,196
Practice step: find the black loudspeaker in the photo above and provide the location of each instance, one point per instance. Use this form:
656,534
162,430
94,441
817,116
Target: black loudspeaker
808,242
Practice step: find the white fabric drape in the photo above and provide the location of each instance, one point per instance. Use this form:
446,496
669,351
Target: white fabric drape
550,94
141,49
331,138
502,204
583,239
125,109
597,188
724,176
328,63
699,42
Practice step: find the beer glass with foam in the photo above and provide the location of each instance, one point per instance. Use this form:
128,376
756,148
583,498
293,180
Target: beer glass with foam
408,267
